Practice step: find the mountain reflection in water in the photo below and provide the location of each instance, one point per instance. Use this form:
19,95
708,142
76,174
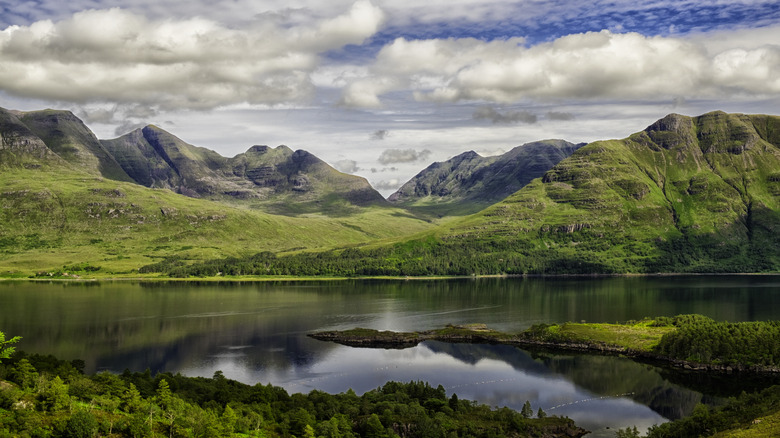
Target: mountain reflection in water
256,333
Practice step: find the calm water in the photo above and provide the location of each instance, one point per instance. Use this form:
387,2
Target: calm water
256,332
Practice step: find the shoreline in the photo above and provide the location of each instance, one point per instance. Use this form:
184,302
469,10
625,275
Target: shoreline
249,279
367,338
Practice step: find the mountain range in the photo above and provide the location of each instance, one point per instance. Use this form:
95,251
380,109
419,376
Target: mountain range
69,200
686,194
279,179
469,182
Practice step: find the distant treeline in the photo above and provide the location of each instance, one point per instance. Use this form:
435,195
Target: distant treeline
457,257
52,398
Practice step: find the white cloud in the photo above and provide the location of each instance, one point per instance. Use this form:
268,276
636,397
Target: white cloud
118,56
392,156
593,65
346,166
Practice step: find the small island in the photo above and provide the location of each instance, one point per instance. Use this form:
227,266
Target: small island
692,342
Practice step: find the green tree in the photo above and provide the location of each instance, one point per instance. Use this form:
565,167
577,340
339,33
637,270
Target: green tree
229,419
541,414
628,432
53,395
163,394
24,374
527,412
131,400
374,428
5,350
82,424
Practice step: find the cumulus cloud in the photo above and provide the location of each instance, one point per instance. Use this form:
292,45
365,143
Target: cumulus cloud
346,166
558,115
392,156
508,117
118,56
593,65
380,134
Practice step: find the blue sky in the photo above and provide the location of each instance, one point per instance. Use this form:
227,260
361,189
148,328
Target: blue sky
382,88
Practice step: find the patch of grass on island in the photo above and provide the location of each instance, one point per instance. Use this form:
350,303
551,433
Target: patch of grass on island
640,336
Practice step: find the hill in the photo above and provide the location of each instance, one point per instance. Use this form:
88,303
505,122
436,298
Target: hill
276,180
470,182
687,194
67,206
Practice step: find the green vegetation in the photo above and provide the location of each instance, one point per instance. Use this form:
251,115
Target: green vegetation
640,336
69,209
697,194
749,415
5,349
66,222
690,339
693,339
46,397
703,340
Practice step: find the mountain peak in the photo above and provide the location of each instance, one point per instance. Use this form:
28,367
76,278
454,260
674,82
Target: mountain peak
468,182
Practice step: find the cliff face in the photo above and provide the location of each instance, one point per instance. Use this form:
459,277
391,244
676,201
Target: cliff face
19,145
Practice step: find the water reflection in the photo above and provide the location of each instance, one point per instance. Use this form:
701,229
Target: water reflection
255,332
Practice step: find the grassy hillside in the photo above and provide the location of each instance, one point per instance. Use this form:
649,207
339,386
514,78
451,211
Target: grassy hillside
688,194
685,195
51,219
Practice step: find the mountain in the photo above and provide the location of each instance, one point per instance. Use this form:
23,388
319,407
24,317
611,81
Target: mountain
276,179
469,182
18,145
67,136
687,194
66,204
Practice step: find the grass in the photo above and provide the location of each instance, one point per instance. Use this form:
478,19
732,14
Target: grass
764,427
640,336
54,220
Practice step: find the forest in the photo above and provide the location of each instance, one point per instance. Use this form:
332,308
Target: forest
495,256
41,396
703,340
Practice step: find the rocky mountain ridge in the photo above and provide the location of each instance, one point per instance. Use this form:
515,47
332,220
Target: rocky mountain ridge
469,182
277,180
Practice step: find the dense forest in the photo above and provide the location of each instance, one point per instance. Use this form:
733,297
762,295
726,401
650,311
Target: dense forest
47,397
695,339
431,256
703,340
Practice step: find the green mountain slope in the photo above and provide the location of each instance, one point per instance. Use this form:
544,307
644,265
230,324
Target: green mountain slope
687,194
684,195
469,182
277,180
65,204
53,219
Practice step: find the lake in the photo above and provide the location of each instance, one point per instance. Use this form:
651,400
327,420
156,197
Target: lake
256,333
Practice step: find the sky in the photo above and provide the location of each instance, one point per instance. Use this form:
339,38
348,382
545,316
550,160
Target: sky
382,89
